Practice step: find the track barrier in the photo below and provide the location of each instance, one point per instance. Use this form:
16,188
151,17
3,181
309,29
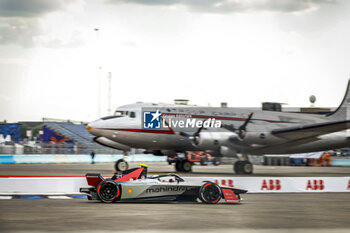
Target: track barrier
72,158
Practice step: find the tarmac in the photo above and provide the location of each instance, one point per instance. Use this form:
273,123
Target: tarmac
312,212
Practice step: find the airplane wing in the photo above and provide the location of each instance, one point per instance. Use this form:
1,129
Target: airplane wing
311,130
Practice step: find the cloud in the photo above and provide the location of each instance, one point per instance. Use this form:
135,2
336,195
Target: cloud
71,41
235,6
28,8
129,43
21,23
19,31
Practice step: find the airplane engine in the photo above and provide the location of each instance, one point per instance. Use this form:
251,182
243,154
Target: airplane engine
112,144
209,140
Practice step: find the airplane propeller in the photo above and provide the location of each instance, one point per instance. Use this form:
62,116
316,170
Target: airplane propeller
241,130
194,137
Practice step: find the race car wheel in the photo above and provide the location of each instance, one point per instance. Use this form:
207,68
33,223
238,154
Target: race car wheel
186,166
108,191
168,160
121,165
216,161
243,167
204,160
210,193
178,166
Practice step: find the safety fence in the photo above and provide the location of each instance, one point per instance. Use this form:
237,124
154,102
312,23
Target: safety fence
100,158
49,185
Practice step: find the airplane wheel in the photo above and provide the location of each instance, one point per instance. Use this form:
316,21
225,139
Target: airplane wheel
204,161
186,166
108,191
243,167
210,193
178,166
121,165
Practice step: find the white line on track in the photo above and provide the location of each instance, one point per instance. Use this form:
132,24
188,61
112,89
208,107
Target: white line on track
5,197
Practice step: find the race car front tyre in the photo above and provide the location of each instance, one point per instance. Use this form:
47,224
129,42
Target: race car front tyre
210,193
121,165
108,191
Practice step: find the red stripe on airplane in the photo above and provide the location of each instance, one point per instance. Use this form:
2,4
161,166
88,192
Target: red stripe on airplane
145,131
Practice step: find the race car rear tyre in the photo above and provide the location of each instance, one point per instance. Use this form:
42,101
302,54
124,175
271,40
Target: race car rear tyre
108,191
186,166
243,167
168,160
121,165
210,193
216,161
178,166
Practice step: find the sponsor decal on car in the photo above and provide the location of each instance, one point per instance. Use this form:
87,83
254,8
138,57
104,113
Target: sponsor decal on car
159,189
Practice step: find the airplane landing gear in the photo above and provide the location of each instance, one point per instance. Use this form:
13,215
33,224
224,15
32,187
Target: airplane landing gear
243,167
121,165
183,165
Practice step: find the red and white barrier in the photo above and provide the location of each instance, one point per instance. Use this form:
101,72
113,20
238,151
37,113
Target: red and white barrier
70,185
282,184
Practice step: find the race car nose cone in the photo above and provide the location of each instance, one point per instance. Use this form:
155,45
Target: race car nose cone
88,128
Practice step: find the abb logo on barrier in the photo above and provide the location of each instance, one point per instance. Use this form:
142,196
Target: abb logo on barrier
349,184
315,185
273,184
228,183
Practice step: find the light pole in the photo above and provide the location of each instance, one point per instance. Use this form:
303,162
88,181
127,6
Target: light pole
109,93
98,71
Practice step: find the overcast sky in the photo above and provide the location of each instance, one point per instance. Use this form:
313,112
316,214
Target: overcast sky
242,52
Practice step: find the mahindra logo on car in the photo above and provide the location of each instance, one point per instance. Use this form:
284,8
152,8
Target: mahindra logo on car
271,185
315,185
167,189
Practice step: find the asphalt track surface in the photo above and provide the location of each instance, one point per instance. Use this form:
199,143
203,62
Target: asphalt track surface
280,212
323,212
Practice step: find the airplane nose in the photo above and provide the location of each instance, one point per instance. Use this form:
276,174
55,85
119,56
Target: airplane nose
88,128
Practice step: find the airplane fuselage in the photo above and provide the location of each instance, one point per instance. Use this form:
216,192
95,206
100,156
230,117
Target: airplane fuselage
129,131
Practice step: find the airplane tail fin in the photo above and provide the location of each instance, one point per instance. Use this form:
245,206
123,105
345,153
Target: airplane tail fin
343,110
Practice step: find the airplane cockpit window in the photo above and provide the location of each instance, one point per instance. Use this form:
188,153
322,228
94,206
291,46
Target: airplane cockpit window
132,114
120,113
109,117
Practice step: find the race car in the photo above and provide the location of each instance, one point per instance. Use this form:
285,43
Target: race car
133,185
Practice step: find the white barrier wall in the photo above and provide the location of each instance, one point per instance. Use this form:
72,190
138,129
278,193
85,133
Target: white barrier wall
71,185
282,184
42,185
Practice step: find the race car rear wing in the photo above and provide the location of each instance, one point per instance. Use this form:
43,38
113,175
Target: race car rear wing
93,179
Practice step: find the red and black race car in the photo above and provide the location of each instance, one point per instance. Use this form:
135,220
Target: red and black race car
134,186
